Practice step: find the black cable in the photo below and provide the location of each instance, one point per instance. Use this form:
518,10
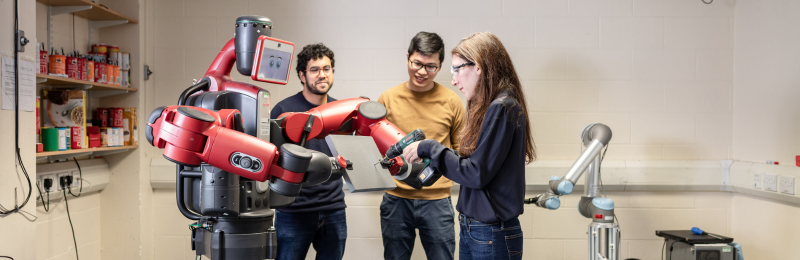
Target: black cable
16,113
46,205
80,172
70,223
7,257
670,249
708,3
662,249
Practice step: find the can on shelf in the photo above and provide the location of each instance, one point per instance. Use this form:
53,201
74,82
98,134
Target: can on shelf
115,116
102,114
43,61
58,65
117,80
100,72
125,61
109,74
89,70
82,68
125,82
100,48
73,70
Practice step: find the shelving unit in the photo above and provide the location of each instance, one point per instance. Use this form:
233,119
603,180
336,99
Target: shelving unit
89,10
100,151
98,89
99,16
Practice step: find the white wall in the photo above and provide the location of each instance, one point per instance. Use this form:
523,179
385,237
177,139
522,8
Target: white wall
765,124
659,73
19,232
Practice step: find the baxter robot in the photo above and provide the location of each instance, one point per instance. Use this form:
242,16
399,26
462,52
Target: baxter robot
235,163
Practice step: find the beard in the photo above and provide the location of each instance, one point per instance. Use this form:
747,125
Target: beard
311,87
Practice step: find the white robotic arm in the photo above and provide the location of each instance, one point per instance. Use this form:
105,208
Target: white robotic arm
594,137
604,234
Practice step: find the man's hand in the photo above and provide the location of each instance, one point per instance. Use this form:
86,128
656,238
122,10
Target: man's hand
410,153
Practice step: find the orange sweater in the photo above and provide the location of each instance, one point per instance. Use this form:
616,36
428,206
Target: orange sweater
439,113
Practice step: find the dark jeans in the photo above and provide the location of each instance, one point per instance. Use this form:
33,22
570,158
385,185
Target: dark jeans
434,219
327,231
489,241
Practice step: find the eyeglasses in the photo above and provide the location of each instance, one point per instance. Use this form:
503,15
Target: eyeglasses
314,71
429,68
454,69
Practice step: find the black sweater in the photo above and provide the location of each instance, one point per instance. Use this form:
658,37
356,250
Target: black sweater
325,196
492,179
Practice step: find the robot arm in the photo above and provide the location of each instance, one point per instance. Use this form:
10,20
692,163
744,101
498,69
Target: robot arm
362,117
192,135
594,137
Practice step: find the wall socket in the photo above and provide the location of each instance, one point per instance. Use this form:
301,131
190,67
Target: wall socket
786,185
757,180
770,182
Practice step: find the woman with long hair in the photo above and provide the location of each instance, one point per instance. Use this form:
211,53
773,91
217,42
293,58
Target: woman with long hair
495,145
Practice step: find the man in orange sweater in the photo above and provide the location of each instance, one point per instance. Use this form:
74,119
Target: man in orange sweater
438,111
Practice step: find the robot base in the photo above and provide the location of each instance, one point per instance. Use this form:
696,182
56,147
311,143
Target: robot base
604,241
235,238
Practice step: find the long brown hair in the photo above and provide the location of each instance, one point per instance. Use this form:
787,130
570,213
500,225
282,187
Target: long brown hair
497,76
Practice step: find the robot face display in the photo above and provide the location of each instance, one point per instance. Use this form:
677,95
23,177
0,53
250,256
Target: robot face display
269,58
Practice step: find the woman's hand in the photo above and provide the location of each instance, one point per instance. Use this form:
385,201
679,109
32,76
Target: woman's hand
410,153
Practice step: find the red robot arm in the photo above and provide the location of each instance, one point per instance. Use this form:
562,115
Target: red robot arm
359,115
192,135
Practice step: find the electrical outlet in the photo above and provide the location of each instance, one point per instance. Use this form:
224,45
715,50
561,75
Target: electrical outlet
770,182
63,174
75,181
787,185
52,178
757,180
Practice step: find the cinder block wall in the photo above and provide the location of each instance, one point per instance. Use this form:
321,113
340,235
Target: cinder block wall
660,73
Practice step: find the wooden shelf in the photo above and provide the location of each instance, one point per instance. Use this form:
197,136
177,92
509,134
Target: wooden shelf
56,80
96,13
88,150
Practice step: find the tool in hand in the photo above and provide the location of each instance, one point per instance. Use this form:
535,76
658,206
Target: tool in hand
397,149
698,231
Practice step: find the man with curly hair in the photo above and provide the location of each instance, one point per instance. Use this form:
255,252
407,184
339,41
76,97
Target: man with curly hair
317,215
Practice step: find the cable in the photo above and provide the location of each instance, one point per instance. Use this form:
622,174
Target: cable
7,257
66,203
45,205
670,249
708,3
80,191
17,208
662,249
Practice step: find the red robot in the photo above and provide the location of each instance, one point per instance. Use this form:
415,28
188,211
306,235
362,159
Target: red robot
234,164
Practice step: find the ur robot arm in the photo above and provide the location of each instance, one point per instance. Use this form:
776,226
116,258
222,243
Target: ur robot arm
603,232
594,137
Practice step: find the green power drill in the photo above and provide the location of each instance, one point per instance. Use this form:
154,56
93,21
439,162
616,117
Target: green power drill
427,176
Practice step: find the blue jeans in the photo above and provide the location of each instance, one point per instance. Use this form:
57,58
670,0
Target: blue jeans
489,241
327,231
434,219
